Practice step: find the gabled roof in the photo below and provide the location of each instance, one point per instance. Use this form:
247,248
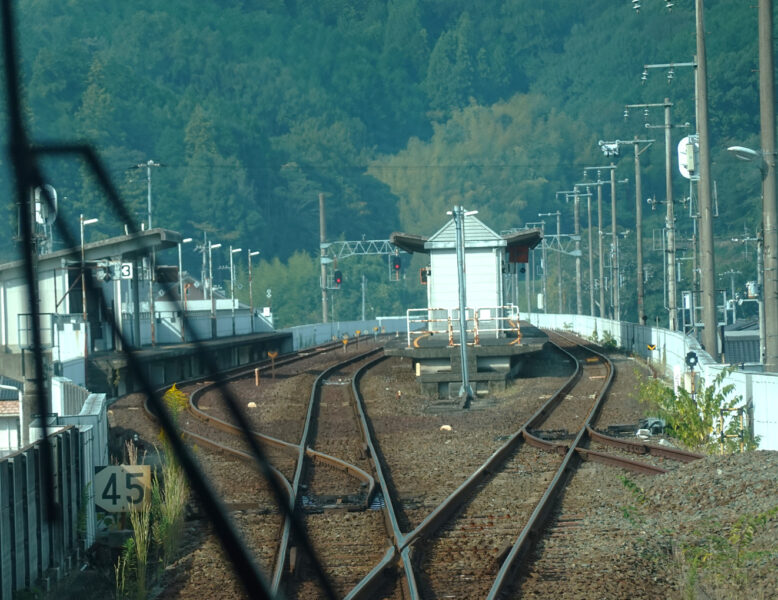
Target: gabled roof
477,235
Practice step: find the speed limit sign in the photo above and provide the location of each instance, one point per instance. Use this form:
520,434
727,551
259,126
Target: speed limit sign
121,488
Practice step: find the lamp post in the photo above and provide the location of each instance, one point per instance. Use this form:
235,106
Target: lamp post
83,223
459,215
767,253
147,165
181,286
211,247
251,289
232,286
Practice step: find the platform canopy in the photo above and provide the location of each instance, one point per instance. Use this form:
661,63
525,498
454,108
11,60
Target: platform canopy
129,246
476,234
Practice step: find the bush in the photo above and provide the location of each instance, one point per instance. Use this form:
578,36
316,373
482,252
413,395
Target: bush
693,418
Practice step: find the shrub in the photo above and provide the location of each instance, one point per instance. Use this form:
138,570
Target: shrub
693,417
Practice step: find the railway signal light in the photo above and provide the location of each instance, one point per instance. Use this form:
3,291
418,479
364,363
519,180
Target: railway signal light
424,274
395,267
337,277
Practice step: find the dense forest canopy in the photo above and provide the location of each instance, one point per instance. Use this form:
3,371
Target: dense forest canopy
396,110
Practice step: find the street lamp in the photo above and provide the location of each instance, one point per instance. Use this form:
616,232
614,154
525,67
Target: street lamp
181,286
147,165
459,215
83,223
232,286
251,290
768,252
211,247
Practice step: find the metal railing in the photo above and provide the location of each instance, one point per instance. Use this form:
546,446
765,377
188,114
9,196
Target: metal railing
481,321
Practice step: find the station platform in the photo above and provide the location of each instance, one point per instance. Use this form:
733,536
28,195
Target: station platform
492,363
109,371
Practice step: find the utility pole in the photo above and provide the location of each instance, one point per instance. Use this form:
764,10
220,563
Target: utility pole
558,259
707,260
615,275
769,209
672,294
148,165
577,231
363,296
558,216
639,227
599,183
601,271
322,244
591,250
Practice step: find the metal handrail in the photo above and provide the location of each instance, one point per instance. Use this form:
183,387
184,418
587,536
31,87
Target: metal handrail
478,319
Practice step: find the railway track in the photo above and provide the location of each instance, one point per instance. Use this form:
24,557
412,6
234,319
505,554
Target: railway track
475,543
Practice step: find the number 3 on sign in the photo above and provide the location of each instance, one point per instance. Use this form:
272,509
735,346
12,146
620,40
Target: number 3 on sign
121,488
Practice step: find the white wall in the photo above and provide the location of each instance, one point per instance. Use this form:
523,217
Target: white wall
482,271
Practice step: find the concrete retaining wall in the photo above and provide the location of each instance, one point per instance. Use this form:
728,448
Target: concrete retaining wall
760,389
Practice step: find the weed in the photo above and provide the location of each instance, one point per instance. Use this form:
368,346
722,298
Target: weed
608,342
723,559
169,495
631,512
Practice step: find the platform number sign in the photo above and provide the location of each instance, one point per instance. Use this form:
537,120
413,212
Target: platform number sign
121,488
126,270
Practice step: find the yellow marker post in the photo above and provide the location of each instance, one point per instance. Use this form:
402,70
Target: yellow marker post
273,354
345,342
358,331
256,377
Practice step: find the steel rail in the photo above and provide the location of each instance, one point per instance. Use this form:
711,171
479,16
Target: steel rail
539,517
299,471
299,450
642,448
371,580
290,447
446,508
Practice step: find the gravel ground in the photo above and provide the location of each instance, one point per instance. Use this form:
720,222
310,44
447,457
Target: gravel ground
650,535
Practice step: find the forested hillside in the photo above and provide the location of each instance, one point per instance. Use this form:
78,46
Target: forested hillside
395,109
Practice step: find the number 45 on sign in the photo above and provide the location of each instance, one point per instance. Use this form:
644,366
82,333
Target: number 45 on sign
121,488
